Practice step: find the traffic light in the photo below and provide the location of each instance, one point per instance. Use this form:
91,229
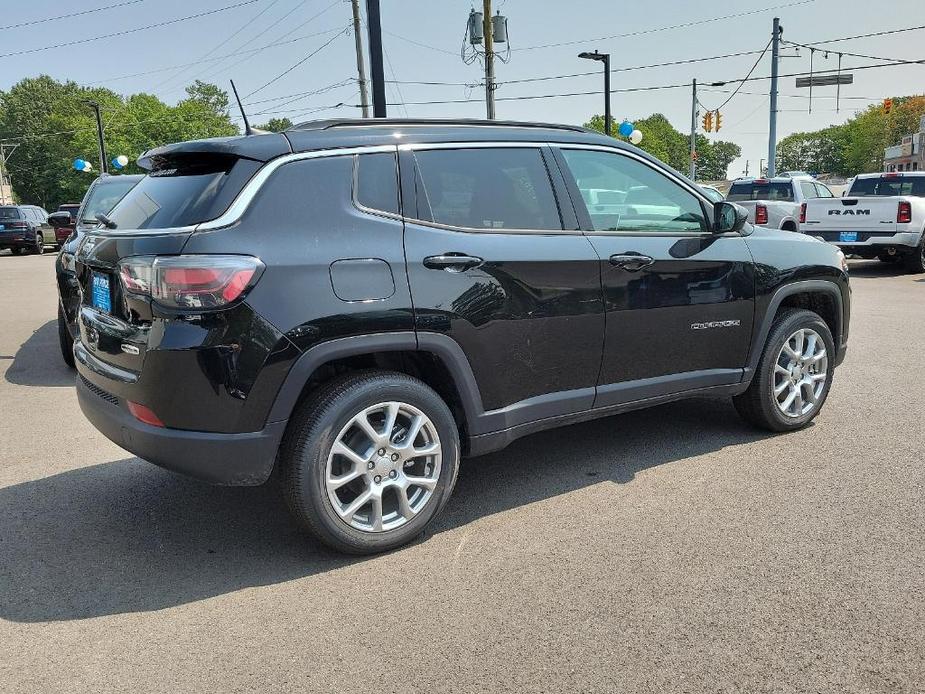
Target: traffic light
719,121
887,105
708,121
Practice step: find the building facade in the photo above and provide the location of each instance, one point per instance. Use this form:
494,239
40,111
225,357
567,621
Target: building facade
908,155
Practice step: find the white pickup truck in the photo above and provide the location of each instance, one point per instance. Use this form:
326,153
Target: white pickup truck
775,202
882,215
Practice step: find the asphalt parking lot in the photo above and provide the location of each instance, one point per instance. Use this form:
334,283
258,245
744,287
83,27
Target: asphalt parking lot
673,549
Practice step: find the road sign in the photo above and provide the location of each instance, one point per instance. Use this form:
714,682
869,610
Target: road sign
825,80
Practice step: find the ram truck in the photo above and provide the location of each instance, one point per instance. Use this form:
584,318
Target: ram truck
776,202
881,216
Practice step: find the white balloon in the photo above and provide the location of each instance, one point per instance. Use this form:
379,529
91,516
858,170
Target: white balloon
636,137
122,159
87,166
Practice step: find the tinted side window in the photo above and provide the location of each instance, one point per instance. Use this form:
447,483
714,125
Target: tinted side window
623,194
809,190
488,188
823,192
377,182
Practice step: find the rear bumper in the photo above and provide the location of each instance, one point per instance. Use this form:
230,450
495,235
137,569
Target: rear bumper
225,459
8,240
870,239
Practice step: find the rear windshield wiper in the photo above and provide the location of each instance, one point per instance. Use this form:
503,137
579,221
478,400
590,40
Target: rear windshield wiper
106,221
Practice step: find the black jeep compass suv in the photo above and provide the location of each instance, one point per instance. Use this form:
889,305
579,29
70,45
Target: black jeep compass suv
364,302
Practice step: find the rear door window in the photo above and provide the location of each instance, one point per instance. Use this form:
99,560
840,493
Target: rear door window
491,188
761,190
809,190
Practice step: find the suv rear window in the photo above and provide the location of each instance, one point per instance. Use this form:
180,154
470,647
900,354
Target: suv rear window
182,192
913,185
9,213
488,188
754,190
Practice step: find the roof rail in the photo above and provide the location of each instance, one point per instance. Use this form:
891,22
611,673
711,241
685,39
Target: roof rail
466,122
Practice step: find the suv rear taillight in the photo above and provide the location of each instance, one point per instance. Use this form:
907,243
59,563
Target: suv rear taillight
198,282
802,213
18,225
761,214
904,212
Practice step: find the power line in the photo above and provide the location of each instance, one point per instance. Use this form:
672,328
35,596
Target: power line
654,30
743,81
236,54
244,26
867,36
293,67
279,39
128,31
70,14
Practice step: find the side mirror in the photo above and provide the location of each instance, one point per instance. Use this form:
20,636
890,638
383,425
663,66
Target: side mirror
60,219
728,217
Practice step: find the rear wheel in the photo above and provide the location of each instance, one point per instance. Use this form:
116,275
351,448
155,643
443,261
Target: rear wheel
794,373
369,461
65,339
887,258
915,261
39,243
14,251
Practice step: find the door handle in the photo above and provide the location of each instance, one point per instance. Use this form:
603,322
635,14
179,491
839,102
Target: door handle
452,262
632,262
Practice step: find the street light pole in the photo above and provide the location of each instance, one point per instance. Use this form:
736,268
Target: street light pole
99,134
604,58
772,125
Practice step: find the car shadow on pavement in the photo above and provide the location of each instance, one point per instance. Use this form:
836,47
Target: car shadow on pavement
875,268
126,536
38,361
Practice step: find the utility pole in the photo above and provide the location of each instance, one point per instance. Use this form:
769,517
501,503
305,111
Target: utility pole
361,61
375,58
746,167
3,176
489,60
772,126
694,115
99,133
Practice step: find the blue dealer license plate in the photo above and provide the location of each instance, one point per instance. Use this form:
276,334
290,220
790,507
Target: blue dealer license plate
101,297
848,236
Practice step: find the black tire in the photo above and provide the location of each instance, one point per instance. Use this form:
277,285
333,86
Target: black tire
758,405
65,339
14,251
915,261
312,431
39,244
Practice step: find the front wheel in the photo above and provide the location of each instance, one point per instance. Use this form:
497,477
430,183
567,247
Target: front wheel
794,373
369,461
39,244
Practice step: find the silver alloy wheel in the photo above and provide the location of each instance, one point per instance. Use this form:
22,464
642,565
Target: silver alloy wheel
39,244
800,373
383,467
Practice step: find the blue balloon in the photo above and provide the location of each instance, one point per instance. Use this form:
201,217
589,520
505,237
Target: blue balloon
79,164
116,164
626,128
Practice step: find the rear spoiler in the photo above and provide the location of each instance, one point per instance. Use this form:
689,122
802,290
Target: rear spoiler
255,147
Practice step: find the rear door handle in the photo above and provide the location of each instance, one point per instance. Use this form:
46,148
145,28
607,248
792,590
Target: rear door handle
452,262
631,262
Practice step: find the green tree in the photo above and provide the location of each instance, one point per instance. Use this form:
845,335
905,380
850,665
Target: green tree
664,142
53,126
275,125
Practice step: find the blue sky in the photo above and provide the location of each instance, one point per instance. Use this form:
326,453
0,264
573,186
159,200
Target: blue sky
216,46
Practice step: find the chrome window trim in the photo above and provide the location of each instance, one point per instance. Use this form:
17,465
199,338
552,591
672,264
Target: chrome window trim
244,198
